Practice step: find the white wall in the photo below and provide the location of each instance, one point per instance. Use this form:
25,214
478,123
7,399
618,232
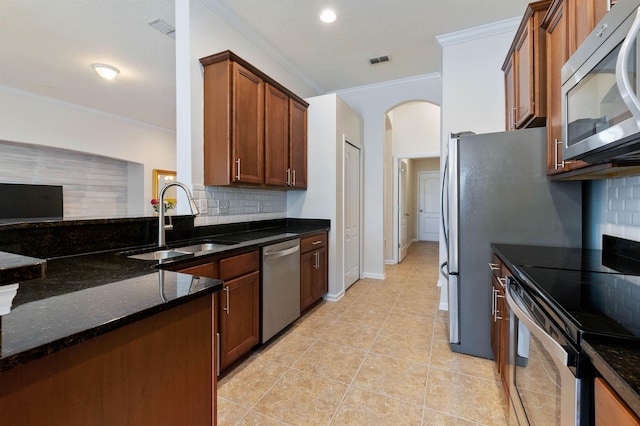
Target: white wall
330,122
373,102
473,86
203,29
38,120
416,129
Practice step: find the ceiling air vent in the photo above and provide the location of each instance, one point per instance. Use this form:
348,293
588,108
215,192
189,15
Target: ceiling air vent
379,59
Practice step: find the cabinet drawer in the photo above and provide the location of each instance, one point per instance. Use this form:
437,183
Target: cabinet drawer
242,264
313,243
209,270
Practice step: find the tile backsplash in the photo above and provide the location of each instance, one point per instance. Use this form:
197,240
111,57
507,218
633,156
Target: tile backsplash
231,205
92,185
613,208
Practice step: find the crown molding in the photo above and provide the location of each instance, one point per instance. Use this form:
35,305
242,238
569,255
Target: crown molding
434,77
241,26
499,27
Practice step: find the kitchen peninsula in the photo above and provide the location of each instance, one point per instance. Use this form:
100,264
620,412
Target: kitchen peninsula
106,338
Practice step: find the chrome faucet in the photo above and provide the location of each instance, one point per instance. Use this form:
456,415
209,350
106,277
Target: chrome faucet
161,225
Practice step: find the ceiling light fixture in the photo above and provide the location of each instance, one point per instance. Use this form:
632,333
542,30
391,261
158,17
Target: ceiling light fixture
106,71
328,16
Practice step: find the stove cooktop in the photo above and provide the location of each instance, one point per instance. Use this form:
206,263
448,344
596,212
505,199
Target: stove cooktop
587,302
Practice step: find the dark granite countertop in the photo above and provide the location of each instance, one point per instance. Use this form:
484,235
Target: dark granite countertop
15,268
85,295
618,362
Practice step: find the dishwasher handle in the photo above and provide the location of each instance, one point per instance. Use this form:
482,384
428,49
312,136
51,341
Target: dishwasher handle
281,253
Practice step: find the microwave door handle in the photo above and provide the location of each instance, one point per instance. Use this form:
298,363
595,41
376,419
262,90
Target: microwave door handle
622,77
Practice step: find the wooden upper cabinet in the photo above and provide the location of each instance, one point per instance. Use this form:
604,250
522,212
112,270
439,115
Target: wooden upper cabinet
233,125
254,127
586,14
276,137
527,56
561,25
510,94
298,144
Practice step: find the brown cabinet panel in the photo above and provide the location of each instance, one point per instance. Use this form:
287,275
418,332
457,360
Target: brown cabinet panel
276,141
313,243
239,317
298,144
209,270
254,128
314,270
525,71
242,264
609,407
248,126
156,371
500,321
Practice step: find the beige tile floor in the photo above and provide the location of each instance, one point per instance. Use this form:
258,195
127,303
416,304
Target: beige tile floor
378,356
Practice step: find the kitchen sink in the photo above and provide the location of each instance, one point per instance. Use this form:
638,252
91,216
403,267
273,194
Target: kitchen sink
202,247
160,254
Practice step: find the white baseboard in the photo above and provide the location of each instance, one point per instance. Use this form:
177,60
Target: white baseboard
333,297
374,276
390,262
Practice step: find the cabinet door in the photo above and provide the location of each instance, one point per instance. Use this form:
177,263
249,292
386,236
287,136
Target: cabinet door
307,272
523,65
505,341
495,324
558,53
298,144
320,282
510,95
276,138
610,409
248,126
239,317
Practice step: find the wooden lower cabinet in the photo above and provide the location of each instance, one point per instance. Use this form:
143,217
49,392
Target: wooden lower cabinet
313,270
609,407
156,371
500,321
237,306
239,317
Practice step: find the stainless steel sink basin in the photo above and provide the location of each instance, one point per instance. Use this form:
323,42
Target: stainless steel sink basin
160,254
203,247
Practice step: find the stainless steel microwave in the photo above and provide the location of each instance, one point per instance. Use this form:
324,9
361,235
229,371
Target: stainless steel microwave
600,82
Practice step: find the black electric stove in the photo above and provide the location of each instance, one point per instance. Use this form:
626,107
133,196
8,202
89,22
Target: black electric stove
588,292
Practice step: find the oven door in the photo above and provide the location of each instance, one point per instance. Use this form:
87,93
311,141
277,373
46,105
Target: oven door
600,97
543,389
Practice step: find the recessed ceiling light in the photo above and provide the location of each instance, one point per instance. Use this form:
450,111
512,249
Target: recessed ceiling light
328,16
106,71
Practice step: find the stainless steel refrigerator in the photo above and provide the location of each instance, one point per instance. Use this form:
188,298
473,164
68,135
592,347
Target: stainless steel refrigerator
495,190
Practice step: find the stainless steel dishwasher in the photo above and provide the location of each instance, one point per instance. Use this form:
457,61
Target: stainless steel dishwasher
280,287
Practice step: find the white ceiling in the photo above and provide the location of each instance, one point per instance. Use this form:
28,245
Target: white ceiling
47,47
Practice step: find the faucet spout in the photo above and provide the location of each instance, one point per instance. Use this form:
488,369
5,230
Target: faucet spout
192,205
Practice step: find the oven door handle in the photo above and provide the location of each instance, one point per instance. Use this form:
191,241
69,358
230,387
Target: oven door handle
519,309
622,77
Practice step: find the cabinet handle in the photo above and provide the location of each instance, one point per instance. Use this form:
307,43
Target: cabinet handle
514,117
494,266
227,308
495,303
316,264
217,354
315,243
294,177
561,164
288,177
238,174
502,281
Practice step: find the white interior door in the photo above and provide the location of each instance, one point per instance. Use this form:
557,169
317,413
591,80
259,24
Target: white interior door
403,213
351,214
428,206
